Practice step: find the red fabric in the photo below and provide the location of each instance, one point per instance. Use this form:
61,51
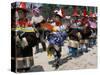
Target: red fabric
77,21
62,10
58,23
84,20
22,5
84,12
23,23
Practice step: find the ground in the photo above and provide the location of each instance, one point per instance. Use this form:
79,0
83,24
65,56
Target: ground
86,61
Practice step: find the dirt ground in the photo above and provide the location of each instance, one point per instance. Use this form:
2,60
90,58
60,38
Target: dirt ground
86,61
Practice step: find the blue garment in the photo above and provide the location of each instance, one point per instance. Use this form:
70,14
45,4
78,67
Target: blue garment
84,47
92,42
58,38
72,51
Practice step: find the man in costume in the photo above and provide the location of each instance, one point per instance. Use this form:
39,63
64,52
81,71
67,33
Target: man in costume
25,39
36,21
56,38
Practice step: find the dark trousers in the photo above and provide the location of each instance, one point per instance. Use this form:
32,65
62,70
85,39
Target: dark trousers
42,38
43,45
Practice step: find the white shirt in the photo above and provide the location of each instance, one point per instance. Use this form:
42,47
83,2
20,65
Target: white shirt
37,19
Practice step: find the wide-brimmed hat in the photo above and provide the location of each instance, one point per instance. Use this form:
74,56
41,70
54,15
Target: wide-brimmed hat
75,12
84,13
22,6
93,15
59,13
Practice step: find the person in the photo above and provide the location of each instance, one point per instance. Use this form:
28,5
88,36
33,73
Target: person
73,43
84,42
21,41
93,26
36,21
56,39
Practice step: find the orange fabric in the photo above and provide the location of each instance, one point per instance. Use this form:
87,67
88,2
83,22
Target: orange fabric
58,23
47,26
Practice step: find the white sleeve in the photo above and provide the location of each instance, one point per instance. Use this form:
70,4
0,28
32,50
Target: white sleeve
41,18
32,20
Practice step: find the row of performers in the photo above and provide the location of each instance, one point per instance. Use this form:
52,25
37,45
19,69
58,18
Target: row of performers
36,32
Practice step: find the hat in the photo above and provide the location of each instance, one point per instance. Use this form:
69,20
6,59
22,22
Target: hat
92,14
36,10
84,13
22,6
59,12
75,11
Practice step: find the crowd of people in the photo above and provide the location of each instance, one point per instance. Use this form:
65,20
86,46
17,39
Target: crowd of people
80,32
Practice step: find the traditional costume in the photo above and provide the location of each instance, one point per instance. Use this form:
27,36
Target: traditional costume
93,26
23,39
56,39
36,21
73,43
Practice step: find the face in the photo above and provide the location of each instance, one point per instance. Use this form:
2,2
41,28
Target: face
35,13
56,18
21,14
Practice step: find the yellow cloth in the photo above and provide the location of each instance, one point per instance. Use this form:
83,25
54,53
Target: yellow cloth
73,43
49,54
55,28
27,29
